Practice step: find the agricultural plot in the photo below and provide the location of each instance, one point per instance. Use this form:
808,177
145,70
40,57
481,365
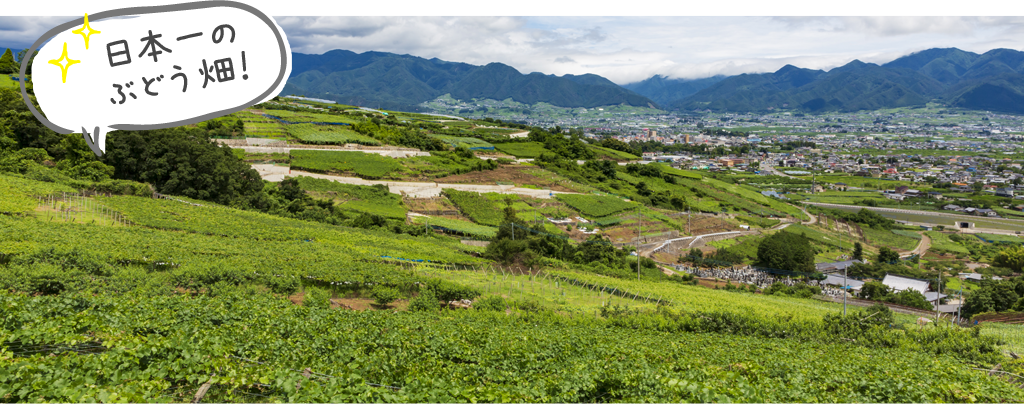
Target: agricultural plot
455,356
293,117
329,135
363,165
611,154
476,207
942,243
523,150
680,173
889,238
19,194
595,205
471,143
375,199
256,125
456,226
999,238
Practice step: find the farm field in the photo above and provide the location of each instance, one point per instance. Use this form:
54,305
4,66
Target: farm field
457,226
941,242
363,165
891,239
595,205
329,135
375,200
947,221
523,150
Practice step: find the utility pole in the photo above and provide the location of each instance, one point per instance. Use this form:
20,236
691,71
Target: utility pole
961,306
846,289
938,289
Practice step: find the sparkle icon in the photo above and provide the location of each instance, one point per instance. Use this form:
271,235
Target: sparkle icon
85,31
64,63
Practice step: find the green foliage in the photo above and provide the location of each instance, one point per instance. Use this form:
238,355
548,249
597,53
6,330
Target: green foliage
325,134
383,295
426,300
801,290
786,251
182,161
375,199
317,297
458,226
7,63
993,296
858,251
447,291
363,165
1012,258
595,205
523,150
886,255
491,303
477,207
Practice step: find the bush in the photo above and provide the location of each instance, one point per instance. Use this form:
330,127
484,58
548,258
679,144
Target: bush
384,295
491,303
317,297
425,301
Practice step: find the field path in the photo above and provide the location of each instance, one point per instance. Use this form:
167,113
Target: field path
922,247
275,173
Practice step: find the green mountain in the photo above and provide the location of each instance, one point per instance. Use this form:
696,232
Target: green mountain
991,81
666,91
403,81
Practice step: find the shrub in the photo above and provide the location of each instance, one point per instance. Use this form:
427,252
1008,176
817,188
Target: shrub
317,297
491,303
425,301
384,295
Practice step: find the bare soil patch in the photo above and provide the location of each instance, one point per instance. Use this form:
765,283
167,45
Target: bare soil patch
509,173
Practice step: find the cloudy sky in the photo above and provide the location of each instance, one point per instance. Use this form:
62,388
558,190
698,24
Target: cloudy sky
628,49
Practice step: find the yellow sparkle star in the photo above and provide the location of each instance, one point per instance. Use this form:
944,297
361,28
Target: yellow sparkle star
67,62
86,31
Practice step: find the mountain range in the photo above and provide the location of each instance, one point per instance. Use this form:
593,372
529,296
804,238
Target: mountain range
396,81
992,81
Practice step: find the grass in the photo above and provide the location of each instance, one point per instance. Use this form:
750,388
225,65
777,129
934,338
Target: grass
612,154
941,242
7,82
18,193
999,238
523,150
887,238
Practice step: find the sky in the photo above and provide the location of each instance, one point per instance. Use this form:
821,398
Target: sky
623,49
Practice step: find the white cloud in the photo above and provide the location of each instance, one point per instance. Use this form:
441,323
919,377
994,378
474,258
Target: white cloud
628,49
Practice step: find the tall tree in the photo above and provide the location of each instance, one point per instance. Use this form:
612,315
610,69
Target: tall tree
7,64
858,251
786,251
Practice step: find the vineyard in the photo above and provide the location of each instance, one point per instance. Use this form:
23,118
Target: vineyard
375,200
329,135
294,117
456,226
468,142
476,207
363,165
595,205
942,244
523,150
254,347
891,239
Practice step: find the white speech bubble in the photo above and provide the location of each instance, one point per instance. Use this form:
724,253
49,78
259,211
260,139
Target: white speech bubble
144,67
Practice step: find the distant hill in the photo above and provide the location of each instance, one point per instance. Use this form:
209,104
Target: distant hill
991,81
403,81
666,91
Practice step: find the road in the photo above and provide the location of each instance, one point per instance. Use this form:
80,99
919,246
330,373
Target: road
275,173
977,220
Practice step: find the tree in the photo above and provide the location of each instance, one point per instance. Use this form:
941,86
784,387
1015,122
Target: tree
886,255
183,161
911,298
858,251
384,295
1012,258
7,64
786,251
874,291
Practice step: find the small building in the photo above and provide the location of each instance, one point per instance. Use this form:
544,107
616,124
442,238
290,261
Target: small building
901,283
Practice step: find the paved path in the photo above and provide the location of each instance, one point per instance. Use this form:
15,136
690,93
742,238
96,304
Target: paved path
923,246
275,173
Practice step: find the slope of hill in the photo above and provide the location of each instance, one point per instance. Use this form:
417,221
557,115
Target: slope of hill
402,81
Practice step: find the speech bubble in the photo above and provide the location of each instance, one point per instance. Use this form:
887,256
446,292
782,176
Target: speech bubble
143,68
